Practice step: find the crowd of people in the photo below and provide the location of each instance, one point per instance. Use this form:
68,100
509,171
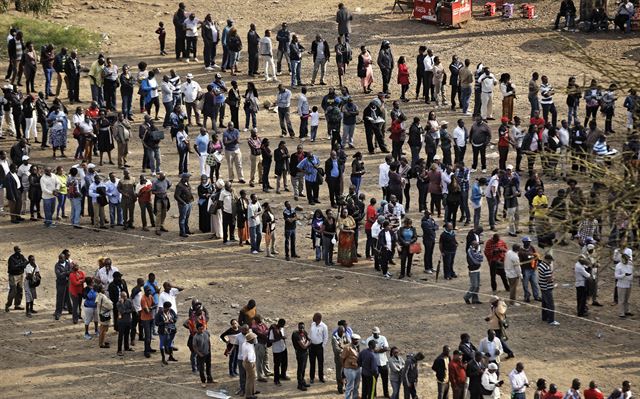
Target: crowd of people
238,216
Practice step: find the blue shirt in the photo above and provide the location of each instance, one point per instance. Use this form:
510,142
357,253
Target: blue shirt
335,172
231,135
113,193
90,300
202,142
309,168
217,87
476,195
152,287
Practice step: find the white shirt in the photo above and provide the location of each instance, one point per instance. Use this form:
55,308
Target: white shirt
517,381
167,91
49,184
278,346
460,136
493,182
136,300
153,85
490,347
624,281
320,50
428,63
181,138
375,229
381,343
512,265
398,210
581,274
169,297
249,352
383,178
190,91
303,105
445,180
5,165
315,119
487,82
387,240
23,174
319,334
106,277
191,27
266,47
17,179
227,201
563,136
240,339
30,269
489,381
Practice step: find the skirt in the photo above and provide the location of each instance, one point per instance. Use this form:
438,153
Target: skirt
204,218
347,249
216,223
29,292
58,137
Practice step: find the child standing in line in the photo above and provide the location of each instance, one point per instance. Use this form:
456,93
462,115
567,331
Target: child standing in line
162,34
403,78
315,122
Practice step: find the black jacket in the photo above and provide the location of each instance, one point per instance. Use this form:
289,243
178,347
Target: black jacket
328,165
12,191
115,288
440,367
314,49
382,240
16,264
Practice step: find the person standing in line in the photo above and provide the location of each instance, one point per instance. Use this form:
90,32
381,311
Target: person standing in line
15,269
284,39
480,138
350,367
380,352
277,338
519,382
184,198
513,271
624,280
454,69
368,364
547,92
581,278
304,112
249,365
232,152
201,344
474,262
62,270
125,309
320,51
318,338
254,218
32,279
457,375
410,375
343,19
301,344
385,63
210,39
339,341
429,228
487,83
76,288
547,283
396,364
495,250
253,44
283,102
295,57
265,47
448,246
491,382
441,368
261,330
290,224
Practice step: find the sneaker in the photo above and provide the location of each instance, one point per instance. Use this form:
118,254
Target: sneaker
554,323
254,252
87,336
474,170
484,171
196,60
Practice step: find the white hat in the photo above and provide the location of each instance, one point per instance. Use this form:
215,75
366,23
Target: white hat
492,366
8,87
509,167
91,166
437,157
189,76
442,123
590,247
628,252
25,157
375,330
355,336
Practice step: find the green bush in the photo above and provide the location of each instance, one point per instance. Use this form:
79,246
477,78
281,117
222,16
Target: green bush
42,32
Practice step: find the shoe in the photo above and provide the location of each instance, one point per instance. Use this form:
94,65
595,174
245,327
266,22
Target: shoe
302,387
401,276
511,356
262,379
628,314
311,381
18,308
88,336
307,385
596,303
468,302
477,303
554,323
285,378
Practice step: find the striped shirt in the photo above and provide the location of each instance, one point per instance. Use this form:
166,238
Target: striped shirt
547,94
545,275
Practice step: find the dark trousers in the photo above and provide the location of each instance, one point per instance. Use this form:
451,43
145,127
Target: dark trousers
429,245
477,102
396,150
581,297
62,296
550,108
312,191
74,88
384,258
204,364
367,387
447,260
406,259
183,160
386,78
503,152
301,359
149,210
124,329
427,80
290,243
136,324
181,51
316,353
333,183
209,50
455,91
482,151
548,306
280,366
76,305
459,153
384,375
228,226
146,327
419,76
253,62
497,269
505,347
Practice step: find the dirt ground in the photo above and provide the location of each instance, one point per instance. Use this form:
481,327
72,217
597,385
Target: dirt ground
54,361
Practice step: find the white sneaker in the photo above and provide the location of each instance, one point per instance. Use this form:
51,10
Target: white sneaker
554,323
254,252
216,66
245,129
186,60
195,60
468,113
208,68
473,170
484,171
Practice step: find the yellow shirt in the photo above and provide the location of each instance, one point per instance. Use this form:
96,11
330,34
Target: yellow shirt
96,73
540,206
63,183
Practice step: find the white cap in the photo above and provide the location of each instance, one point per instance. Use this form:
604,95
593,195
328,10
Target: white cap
25,157
437,157
492,366
509,167
444,123
355,336
91,166
375,330
189,76
628,252
590,247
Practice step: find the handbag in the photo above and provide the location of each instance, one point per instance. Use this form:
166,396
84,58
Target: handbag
213,159
415,248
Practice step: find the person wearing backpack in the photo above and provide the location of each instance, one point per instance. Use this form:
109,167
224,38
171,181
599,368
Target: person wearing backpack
32,280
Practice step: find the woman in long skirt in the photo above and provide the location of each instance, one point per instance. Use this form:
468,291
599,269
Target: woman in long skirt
105,139
216,217
58,130
365,69
346,239
31,279
204,192
242,206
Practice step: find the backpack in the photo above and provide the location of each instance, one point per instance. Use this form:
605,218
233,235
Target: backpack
333,114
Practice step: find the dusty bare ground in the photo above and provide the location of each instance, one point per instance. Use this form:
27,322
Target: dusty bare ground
414,314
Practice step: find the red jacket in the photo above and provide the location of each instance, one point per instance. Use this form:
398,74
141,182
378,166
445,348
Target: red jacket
557,395
593,394
495,251
76,283
457,372
403,74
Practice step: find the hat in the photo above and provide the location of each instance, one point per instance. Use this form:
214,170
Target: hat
189,76
628,253
91,166
218,76
375,330
494,298
526,239
590,247
250,336
25,157
504,119
219,183
355,336
444,123
509,167
492,366
185,175
7,87
437,157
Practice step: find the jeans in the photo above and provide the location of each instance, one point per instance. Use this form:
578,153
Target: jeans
492,203
285,121
465,97
49,205
295,73
572,117
535,104
529,276
76,305
184,211
96,95
347,134
153,155
146,207
204,367
356,181
550,108
290,242
242,380
127,100
548,306
353,383
443,390
250,116
320,63
474,287
76,207
395,386
48,76
255,234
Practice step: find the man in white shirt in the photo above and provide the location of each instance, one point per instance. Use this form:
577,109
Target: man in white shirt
4,170
519,382
50,186
460,136
249,365
254,219
429,94
487,83
490,382
491,347
304,113
23,174
265,47
513,271
277,336
191,26
582,275
190,90
491,194
319,337
167,89
240,339
105,273
563,136
383,176
624,280
380,353
398,208
169,294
